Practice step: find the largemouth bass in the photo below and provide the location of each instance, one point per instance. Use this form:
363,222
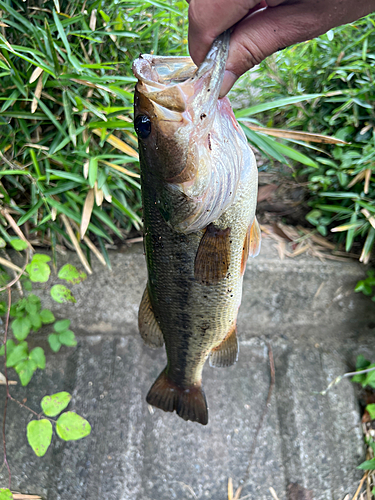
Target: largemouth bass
199,189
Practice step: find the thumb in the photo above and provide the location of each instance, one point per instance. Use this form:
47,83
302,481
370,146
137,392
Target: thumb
267,31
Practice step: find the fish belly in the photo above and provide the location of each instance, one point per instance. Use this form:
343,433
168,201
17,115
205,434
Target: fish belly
195,318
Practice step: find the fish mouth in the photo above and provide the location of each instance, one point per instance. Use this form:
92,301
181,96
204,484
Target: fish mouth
177,84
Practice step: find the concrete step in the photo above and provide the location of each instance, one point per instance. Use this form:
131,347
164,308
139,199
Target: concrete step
308,443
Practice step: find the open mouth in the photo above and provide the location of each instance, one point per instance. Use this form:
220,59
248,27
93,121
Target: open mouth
162,71
176,82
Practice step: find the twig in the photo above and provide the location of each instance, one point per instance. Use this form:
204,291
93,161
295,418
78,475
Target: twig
340,377
18,283
7,395
75,242
273,493
30,410
23,405
91,245
360,485
15,228
252,450
7,263
9,285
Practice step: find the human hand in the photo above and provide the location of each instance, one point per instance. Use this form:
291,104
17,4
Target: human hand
260,28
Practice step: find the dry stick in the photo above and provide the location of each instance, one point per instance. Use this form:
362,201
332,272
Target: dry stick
252,450
15,227
75,242
9,285
90,244
8,259
360,485
340,377
7,396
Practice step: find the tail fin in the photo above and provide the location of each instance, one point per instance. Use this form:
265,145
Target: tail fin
190,403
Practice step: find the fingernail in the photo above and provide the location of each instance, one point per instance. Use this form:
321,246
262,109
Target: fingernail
228,82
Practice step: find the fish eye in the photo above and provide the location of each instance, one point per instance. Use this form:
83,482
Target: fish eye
142,126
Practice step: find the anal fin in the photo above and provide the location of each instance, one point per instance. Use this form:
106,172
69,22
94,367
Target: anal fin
226,354
148,326
213,256
188,402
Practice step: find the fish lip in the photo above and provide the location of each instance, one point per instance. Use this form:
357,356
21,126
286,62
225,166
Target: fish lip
160,72
166,80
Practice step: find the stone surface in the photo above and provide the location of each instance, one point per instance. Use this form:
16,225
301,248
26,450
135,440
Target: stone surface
308,443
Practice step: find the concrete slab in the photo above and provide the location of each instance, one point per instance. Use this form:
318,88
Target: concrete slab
138,453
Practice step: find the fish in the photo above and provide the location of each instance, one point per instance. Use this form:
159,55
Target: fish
199,191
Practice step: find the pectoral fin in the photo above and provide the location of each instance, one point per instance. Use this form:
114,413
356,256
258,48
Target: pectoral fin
148,326
251,245
226,354
255,239
213,256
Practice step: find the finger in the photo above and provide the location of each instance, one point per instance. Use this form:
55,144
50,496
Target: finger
265,32
274,28
209,18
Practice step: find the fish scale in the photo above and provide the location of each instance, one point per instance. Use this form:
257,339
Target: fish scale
198,227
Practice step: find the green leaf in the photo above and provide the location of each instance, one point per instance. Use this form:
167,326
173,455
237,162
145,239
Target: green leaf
34,299
274,104
56,403
71,274
69,118
62,325
363,287
21,327
62,294
52,46
39,435
28,214
18,244
38,271
47,316
41,257
68,338
3,307
54,342
371,409
61,31
25,370
36,321
263,143
370,377
2,243
10,348
93,171
362,363
37,355
17,353
368,465
5,494
31,308
294,154
71,426
27,285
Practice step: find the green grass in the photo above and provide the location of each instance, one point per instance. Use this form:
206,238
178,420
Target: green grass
66,133
67,145
341,184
